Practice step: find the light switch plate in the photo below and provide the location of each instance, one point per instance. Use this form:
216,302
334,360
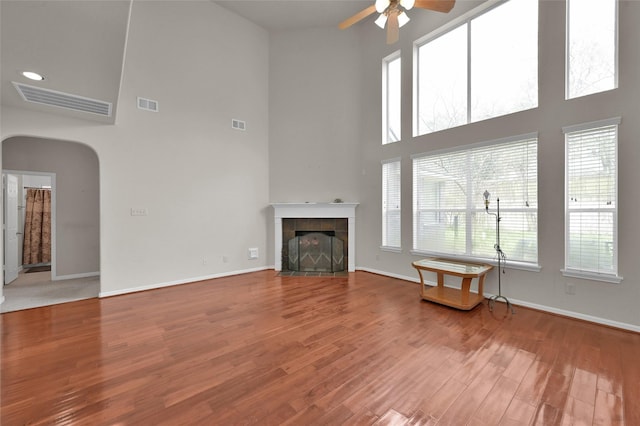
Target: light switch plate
138,211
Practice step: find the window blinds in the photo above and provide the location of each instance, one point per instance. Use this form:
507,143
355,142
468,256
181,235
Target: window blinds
591,200
391,204
449,214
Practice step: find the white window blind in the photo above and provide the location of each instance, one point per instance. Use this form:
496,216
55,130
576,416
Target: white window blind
391,204
591,200
391,98
448,204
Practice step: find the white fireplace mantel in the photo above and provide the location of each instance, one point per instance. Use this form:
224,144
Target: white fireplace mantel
315,210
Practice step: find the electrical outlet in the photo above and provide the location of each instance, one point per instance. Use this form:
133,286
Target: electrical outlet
570,288
225,259
253,253
205,261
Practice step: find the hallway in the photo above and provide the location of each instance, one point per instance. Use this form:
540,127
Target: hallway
36,289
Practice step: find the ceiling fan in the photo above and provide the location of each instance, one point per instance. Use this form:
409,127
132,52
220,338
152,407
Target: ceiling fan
393,14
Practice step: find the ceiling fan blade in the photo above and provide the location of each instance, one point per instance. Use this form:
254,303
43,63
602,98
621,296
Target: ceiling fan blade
443,6
393,32
357,17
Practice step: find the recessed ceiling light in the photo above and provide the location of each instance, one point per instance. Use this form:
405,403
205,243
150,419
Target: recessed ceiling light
33,75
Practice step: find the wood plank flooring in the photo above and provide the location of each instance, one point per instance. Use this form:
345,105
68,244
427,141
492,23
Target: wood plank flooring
270,350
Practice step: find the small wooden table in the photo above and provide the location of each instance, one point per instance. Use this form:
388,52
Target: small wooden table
461,299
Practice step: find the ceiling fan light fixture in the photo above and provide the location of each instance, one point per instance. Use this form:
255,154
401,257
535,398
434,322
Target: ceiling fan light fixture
403,18
381,21
382,5
407,4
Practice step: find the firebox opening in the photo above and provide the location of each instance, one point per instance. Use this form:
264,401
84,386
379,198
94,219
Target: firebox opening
316,251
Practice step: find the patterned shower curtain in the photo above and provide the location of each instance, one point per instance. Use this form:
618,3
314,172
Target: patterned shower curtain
37,227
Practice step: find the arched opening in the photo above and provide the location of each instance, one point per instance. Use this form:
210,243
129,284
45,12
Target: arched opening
73,172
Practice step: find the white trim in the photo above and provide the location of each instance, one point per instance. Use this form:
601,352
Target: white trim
54,233
75,276
391,249
509,264
577,315
456,22
391,160
397,55
593,276
179,282
543,308
315,210
614,121
517,138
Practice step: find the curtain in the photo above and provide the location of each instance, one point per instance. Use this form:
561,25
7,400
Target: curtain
37,227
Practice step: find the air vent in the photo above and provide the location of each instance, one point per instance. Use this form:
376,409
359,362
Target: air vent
63,100
238,124
148,104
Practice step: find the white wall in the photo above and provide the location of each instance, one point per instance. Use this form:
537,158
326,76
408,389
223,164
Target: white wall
203,184
609,303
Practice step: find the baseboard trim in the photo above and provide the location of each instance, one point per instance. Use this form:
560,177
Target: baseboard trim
179,282
74,276
544,308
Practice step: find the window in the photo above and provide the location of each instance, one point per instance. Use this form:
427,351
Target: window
484,68
391,203
591,47
448,204
591,223
391,98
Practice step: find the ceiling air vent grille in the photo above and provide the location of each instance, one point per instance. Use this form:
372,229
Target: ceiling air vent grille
63,100
238,124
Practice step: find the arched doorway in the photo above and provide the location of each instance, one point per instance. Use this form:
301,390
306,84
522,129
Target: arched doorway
75,248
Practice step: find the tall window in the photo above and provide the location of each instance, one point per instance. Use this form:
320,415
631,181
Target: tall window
592,36
484,68
591,205
391,98
391,204
448,204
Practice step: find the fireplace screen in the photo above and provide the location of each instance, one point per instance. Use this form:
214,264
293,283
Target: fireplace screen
316,252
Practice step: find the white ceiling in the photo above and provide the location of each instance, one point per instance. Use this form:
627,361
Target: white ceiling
79,45
277,15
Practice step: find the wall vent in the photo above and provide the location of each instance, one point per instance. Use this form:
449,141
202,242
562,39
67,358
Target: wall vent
63,100
148,104
238,124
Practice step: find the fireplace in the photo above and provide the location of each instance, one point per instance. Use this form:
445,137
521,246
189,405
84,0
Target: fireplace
337,219
314,251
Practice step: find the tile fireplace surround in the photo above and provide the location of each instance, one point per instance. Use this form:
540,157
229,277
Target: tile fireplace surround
315,210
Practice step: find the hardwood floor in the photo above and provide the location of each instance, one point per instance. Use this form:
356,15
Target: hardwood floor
263,349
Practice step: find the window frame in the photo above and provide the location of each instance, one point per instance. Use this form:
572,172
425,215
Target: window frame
616,64
463,20
469,208
583,273
386,90
385,210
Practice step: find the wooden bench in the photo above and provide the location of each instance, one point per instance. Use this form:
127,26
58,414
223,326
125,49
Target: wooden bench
461,298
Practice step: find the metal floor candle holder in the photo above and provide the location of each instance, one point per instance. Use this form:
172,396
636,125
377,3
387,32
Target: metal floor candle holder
502,258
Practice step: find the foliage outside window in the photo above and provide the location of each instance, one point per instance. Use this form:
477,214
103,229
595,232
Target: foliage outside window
391,98
591,204
591,47
448,204
391,204
484,68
